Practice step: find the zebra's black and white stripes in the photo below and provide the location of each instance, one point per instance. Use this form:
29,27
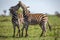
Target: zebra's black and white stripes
15,21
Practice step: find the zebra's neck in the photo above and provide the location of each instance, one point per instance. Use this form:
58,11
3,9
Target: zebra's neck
15,16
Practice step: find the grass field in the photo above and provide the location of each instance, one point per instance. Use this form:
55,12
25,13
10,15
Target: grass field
34,31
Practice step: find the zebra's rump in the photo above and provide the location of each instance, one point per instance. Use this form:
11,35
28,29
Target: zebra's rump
33,22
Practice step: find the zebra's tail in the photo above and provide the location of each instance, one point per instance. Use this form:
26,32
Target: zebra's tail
49,26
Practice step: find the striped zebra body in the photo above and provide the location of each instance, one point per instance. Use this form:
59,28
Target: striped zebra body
15,20
33,19
37,18
28,18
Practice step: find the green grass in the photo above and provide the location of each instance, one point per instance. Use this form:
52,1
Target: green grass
34,31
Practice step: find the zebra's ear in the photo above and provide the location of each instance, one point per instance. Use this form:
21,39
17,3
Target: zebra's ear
10,9
19,2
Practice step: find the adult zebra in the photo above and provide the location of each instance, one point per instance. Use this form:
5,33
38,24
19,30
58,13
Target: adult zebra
15,20
41,19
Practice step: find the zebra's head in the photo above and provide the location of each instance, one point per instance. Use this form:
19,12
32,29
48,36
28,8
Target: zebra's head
11,10
19,3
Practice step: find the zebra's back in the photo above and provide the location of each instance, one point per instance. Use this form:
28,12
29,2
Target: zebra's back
37,17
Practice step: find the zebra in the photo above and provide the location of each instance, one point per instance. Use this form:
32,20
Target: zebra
33,19
41,19
15,20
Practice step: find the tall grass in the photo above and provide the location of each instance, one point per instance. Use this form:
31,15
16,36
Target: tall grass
34,31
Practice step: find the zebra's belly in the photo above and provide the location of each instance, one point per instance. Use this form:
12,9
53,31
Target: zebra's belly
33,22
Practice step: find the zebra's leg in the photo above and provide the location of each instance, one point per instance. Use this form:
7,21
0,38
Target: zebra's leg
43,27
23,29
18,30
26,28
14,30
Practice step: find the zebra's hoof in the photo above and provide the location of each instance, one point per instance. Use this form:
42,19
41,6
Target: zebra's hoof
13,36
26,35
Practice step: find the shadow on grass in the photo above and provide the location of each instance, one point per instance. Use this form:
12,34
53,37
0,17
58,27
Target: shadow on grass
6,37
9,37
